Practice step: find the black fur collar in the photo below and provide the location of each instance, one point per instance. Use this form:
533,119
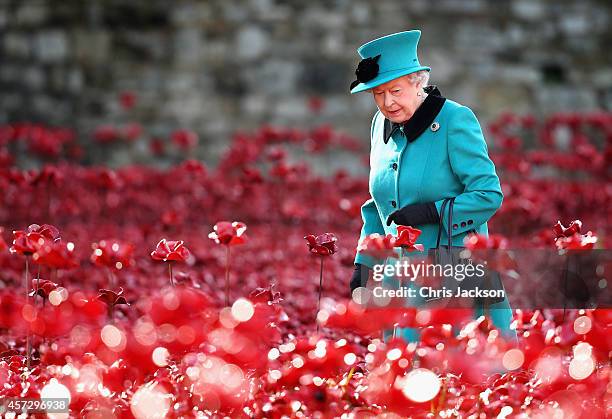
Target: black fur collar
421,119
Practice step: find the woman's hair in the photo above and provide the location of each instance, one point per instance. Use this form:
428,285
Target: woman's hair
421,77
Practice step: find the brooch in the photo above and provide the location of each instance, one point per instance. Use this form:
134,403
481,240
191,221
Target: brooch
435,126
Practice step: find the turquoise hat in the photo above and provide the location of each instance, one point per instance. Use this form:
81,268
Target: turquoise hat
387,58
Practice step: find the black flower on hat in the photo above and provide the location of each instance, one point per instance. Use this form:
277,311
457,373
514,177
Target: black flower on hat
366,70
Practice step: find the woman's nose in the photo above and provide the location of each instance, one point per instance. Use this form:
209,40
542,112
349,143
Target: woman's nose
388,100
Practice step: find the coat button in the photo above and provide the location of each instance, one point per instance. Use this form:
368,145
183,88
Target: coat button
470,222
394,165
435,126
455,226
393,204
463,224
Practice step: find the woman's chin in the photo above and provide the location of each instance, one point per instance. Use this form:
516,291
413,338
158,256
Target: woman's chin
396,117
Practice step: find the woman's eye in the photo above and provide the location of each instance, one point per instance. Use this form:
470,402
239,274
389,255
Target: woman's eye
396,91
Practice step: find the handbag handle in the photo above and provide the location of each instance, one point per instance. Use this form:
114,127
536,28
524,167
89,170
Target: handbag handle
451,203
440,226
450,222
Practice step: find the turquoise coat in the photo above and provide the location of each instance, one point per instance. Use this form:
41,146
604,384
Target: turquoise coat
448,159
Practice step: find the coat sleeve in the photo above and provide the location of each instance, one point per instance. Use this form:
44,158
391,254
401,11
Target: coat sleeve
371,224
469,160
370,217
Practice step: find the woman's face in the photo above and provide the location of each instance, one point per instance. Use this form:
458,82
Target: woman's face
397,99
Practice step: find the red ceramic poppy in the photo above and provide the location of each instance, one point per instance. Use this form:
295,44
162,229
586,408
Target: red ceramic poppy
267,295
377,246
315,357
276,153
194,167
316,104
184,139
45,143
172,218
111,298
479,241
252,175
577,241
46,230
366,321
228,233
492,251
132,131
107,179
560,230
3,245
170,251
115,376
112,253
386,381
106,134
323,244
407,237
42,287
281,170
185,279
179,306
157,146
48,175
26,243
320,138
127,99
570,237
56,255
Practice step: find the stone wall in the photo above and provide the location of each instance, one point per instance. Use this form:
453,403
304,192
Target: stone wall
218,65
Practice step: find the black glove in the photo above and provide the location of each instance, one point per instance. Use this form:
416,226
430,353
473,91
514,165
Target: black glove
415,214
360,277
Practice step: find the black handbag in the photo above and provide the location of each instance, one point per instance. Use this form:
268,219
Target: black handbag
453,274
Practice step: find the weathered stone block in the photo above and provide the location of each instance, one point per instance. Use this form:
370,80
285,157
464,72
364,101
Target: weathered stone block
51,46
251,42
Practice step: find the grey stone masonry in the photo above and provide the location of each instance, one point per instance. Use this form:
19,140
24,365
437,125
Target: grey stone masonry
215,66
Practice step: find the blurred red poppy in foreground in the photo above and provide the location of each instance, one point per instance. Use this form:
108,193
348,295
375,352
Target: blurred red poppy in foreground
56,255
365,320
377,246
478,241
112,253
491,250
3,245
570,237
42,287
577,241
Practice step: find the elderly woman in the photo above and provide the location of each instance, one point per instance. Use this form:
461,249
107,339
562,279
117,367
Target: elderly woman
424,148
